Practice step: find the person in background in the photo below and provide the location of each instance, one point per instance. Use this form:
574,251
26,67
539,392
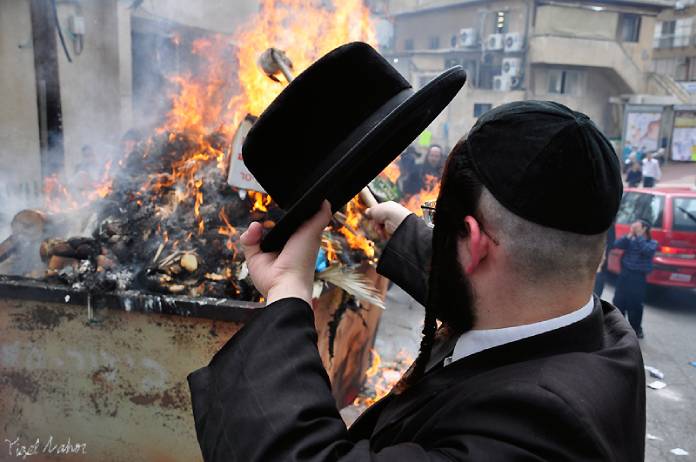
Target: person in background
634,175
432,166
407,165
651,171
627,150
636,262
640,153
629,161
601,276
660,156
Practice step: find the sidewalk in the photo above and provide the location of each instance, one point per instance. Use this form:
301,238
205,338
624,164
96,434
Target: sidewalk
678,173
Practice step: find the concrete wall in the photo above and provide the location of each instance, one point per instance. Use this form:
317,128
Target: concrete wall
20,165
460,112
90,85
596,87
575,22
567,21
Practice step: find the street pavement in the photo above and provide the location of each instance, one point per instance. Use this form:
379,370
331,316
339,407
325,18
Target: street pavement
669,323
670,345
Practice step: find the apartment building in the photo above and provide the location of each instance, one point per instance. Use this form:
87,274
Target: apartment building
585,54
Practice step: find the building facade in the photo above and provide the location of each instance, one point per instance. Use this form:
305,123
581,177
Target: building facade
583,54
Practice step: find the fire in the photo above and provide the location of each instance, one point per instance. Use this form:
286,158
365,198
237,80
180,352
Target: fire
61,198
381,377
304,31
206,108
392,172
261,201
376,361
331,252
354,214
429,193
227,230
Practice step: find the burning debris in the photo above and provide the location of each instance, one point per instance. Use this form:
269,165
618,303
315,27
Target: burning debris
164,219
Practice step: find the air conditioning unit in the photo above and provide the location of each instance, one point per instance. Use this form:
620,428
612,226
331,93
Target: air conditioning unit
495,42
514,42
468,37
512,67
502,83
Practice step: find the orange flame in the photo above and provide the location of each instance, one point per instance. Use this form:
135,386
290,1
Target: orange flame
227,230
381,377
429,193
329,248
376,361
392,172
354,214
261,201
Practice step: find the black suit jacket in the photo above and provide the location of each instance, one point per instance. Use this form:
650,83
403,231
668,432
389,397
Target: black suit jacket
573,394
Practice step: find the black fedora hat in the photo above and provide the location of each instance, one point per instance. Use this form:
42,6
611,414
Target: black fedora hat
336,127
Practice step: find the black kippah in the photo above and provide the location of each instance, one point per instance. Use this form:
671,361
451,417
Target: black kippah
549,165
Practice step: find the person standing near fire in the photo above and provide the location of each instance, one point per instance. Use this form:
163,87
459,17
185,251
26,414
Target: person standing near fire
424,174
528,364
639,249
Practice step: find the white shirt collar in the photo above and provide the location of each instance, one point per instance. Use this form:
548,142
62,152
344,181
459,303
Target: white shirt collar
475,341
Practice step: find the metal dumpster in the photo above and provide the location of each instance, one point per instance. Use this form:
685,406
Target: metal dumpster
103,376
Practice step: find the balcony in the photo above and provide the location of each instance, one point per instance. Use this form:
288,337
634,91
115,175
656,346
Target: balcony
670,41
599,53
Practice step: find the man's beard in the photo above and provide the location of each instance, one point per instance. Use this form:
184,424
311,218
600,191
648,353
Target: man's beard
454,298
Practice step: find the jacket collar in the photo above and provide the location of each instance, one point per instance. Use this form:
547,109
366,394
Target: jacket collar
585,335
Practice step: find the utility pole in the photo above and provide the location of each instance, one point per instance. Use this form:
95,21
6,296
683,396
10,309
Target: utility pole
43,30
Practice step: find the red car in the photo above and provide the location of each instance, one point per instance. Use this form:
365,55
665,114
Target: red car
672,212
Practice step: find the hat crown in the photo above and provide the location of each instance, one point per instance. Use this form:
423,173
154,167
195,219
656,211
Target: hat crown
548,164
301,129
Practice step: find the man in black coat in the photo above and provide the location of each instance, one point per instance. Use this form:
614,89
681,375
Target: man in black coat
527,365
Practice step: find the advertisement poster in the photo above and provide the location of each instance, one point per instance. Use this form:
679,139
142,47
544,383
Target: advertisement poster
643,130
684,136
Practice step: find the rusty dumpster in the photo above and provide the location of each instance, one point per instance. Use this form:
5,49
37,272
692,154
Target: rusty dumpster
104,375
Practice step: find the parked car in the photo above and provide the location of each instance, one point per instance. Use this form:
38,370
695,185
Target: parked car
672,212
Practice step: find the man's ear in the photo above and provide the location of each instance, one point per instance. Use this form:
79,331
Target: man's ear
474,247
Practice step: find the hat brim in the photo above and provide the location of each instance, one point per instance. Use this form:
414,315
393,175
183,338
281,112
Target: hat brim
368,151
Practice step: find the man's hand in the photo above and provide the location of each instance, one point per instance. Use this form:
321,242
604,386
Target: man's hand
387,216
289,273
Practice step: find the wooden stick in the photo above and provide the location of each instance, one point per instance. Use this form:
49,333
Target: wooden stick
7,248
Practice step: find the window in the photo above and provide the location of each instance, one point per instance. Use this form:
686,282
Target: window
682,32
629,28
501,23
641,206
408,44
481,108
666,66
564,82
434,42
684,214
664,34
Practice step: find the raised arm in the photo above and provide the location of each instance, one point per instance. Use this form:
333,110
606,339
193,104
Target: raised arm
406,258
